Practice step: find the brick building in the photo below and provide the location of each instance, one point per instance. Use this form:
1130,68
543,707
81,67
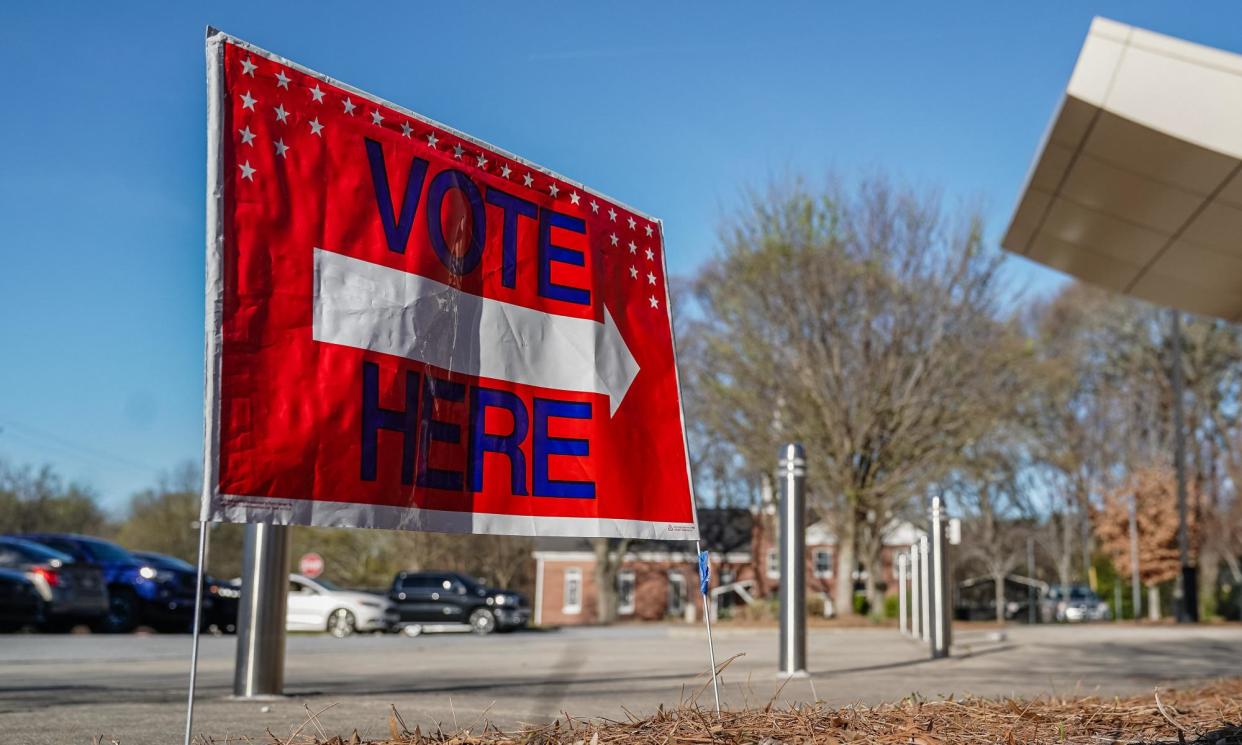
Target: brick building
659,579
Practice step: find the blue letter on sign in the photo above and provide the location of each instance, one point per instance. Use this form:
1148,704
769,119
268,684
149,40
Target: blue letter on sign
549,253
374,419
433,429
511,445
396,230
513,206
546,446
459,264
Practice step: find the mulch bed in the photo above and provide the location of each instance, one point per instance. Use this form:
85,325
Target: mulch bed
1209,714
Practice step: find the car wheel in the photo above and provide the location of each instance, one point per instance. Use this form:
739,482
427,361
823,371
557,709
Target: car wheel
341,623
122,614
482,621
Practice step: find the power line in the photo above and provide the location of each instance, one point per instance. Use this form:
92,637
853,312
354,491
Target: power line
28,433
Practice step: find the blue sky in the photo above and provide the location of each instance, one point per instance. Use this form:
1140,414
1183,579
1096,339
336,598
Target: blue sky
671,107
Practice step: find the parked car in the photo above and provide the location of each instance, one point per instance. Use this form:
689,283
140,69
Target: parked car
1074,604
20,603
319,605
220,598
71,592
430,600
137,592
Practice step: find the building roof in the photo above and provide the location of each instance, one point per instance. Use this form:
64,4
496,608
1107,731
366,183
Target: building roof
721,530
1136,186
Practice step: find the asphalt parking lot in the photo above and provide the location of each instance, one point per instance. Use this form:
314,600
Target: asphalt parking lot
67,689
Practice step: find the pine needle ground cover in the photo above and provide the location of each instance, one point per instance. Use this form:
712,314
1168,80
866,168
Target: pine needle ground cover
1209,714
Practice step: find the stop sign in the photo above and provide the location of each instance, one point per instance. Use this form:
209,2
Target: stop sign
310,565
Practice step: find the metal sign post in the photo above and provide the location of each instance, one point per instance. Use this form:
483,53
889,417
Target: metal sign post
902,620
260,669
793,561
916,592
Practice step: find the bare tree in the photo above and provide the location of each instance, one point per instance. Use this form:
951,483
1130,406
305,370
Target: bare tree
864,323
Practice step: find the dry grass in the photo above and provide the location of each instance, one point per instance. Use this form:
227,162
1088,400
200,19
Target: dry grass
1210,714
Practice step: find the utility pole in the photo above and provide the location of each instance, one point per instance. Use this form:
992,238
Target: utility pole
1187,582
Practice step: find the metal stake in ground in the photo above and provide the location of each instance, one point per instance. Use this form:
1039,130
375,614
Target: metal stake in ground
198,622
705,578
793,560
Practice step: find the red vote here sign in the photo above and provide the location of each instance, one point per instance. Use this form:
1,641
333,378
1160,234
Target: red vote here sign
409,328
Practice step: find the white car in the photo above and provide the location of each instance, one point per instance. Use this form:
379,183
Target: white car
319,605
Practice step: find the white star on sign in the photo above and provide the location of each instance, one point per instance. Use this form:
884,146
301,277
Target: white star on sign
248,101
481,161
654,303
632,223
613,238
282,80
317,94
247,171
432,140
316,127
248,67
553,190
281,114
505,170
573,198
650,278
528,180
650,254
633,247
633,272
457,151
594,206
349,106
612,214
281,148
406,129
376,117
246,135
648,231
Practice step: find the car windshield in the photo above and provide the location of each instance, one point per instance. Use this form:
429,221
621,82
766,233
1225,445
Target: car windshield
472,584
325,584
104,551
1081,593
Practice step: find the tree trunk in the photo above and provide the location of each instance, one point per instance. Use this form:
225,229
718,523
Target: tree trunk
843,588
1153,603
609,556
999,581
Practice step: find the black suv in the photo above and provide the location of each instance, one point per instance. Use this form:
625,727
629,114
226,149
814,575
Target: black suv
444,600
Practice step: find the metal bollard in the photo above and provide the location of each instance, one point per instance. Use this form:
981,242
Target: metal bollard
916,595
925,616
902,621
942,601
260,667
793,561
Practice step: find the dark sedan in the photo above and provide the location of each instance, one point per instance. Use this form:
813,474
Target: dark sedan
72,592
220,598
20,604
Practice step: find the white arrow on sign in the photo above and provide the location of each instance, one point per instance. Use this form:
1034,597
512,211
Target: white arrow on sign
368,306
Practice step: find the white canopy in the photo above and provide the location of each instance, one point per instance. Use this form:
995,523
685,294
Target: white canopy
1137,185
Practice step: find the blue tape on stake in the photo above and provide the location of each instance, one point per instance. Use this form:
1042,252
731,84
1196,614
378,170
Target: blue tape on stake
705,572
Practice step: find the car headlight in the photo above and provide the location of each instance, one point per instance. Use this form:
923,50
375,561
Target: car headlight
147,572
503,600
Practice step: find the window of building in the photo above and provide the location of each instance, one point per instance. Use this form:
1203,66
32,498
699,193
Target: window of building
573,591
625,592
823,562
774,563
676,593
